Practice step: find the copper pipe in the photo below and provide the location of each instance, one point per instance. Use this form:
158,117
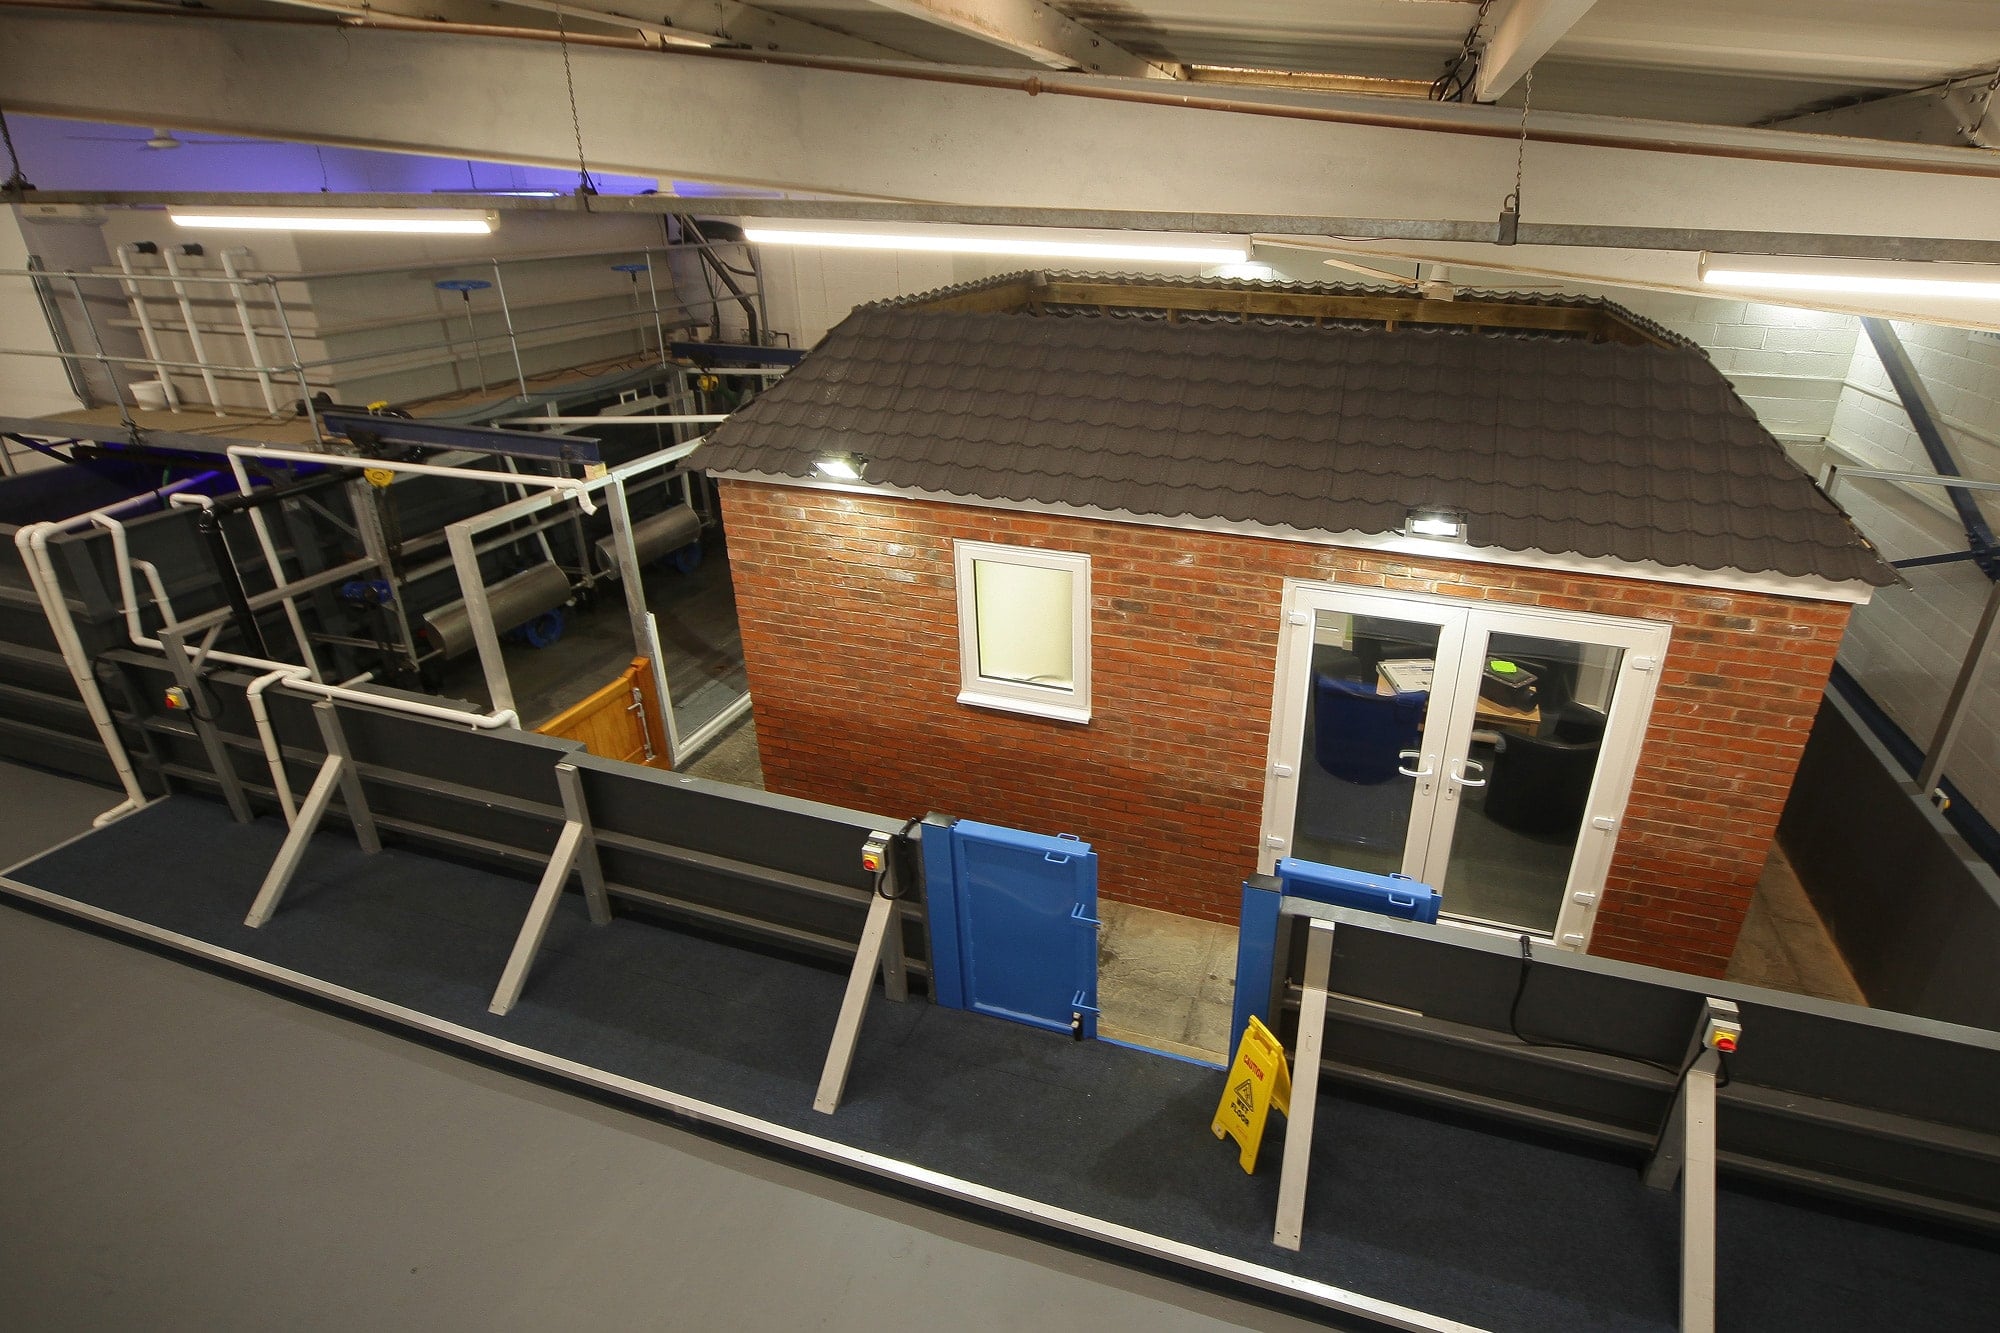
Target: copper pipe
1035,85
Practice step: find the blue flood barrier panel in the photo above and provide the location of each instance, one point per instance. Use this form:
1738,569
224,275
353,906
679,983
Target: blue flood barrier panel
941,912
1256,955
1027,925
1389,895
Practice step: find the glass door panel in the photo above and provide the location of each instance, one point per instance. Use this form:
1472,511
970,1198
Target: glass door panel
1361,768
1538,730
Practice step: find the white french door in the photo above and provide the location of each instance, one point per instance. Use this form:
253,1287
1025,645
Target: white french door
1486,751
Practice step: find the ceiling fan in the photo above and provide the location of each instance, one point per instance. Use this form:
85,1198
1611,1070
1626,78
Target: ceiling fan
161,140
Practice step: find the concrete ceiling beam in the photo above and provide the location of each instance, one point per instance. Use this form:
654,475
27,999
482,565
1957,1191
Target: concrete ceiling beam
972,137
762,30
1523,32
1035,30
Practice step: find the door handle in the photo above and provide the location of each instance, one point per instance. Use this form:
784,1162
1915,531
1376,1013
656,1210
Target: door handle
1413,772
1458,774
1077,915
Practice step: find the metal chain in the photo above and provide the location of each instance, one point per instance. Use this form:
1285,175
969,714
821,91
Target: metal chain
584,184
16,181
1521,148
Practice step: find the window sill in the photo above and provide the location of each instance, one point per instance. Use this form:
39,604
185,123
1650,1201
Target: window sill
1055,712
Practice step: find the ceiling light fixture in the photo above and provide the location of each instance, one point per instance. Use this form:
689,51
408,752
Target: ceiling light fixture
1867,277
377,221
1029,242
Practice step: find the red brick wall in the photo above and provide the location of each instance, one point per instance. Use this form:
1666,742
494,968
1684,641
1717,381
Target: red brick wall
849,619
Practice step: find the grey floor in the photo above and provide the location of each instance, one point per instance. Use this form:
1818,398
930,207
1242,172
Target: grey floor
184,1152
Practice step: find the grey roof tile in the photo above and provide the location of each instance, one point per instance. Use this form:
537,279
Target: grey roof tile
1639,453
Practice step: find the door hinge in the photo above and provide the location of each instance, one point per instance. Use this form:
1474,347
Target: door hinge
1584,899
1572,941
1605,822
1274,841
1644,663
1281,770
1298,618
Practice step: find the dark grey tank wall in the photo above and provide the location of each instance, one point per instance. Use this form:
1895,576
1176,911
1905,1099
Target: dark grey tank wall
1914,911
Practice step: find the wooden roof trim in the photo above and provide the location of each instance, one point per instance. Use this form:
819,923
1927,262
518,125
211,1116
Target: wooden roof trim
1590,321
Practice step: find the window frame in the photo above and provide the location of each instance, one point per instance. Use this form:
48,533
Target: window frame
1059,703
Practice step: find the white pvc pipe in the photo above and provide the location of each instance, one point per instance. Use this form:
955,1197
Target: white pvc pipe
129,592
578,490
268,737
291,675
193,331
32,542
249,330
146,335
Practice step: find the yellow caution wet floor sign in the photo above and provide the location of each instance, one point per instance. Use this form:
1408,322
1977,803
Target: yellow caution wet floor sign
1258,1081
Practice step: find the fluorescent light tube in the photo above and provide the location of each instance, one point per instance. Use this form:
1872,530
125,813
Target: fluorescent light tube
1866,277
376,221
1030,242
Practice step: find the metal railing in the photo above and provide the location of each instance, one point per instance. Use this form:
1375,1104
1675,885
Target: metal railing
259,313
1985,633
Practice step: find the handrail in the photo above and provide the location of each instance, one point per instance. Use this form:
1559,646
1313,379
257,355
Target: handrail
288,674
571,486
32,541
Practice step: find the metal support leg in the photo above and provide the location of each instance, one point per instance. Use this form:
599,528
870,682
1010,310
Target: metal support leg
1305,1088
895,980
1687,1151
882,914
479,615
280,875
358,813
219,759
576,849
881,947
337,771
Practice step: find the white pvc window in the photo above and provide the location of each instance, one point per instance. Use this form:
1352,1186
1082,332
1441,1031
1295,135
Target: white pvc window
1024,630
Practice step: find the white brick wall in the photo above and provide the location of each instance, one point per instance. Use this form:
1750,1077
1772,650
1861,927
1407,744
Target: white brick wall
1788,365
1906,647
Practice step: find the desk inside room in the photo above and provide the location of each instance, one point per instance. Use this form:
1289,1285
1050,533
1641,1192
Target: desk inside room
1415,673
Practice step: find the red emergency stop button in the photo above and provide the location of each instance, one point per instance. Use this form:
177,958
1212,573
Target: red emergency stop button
1725,1042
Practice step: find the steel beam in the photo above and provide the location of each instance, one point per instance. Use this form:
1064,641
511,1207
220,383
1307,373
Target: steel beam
1523,32
985,135
360,426
1924,418
1041,32
1977,653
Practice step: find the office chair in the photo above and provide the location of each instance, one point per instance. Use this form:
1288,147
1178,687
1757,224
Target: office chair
1540,784
1358,734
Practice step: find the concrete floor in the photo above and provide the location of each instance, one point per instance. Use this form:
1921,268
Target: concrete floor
186,1152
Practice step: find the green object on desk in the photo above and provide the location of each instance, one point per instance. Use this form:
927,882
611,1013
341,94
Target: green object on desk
1504,668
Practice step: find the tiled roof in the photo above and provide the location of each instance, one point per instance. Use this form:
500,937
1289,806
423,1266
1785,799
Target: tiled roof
1040,278
1555,444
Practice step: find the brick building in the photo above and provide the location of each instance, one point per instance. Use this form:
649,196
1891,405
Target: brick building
1155,564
